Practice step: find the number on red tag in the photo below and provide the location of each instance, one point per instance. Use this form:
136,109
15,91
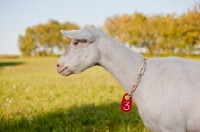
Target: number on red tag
126,104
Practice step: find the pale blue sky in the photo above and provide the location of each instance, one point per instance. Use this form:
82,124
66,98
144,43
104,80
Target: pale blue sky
17,15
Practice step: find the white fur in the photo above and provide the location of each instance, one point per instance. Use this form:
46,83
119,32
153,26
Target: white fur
168,94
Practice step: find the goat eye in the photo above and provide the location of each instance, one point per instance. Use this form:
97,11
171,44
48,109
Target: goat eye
75,43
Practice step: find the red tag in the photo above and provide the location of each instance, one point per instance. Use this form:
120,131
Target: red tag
126,104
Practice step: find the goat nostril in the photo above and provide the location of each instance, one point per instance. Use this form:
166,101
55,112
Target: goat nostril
60,64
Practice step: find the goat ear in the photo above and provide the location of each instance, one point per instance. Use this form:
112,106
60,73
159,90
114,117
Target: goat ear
79,35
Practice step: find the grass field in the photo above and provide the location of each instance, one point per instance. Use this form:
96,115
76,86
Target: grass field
35,98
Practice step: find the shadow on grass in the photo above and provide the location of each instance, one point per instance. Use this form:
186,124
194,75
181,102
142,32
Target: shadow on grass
87,118
2,64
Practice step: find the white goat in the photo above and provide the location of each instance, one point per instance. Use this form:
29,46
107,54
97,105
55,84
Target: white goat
168,94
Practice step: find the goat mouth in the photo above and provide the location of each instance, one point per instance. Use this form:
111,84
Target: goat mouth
63,69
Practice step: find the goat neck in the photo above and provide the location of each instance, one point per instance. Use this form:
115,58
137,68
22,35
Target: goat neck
121,62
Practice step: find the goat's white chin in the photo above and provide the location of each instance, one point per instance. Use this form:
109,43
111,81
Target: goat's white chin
77,72
66,73
70,73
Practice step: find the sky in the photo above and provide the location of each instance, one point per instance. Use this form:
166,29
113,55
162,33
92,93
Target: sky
17,15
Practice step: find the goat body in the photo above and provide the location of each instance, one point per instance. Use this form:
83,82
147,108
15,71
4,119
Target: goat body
168,94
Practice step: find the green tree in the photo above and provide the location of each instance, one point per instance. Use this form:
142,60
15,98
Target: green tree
42,39
191,27
27,43
161,34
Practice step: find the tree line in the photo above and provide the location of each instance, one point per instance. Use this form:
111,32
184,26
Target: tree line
44,39
161,34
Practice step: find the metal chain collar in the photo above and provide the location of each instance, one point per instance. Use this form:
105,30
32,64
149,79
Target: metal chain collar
140,73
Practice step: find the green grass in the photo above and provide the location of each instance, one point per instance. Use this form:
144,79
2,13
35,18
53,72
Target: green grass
35,98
